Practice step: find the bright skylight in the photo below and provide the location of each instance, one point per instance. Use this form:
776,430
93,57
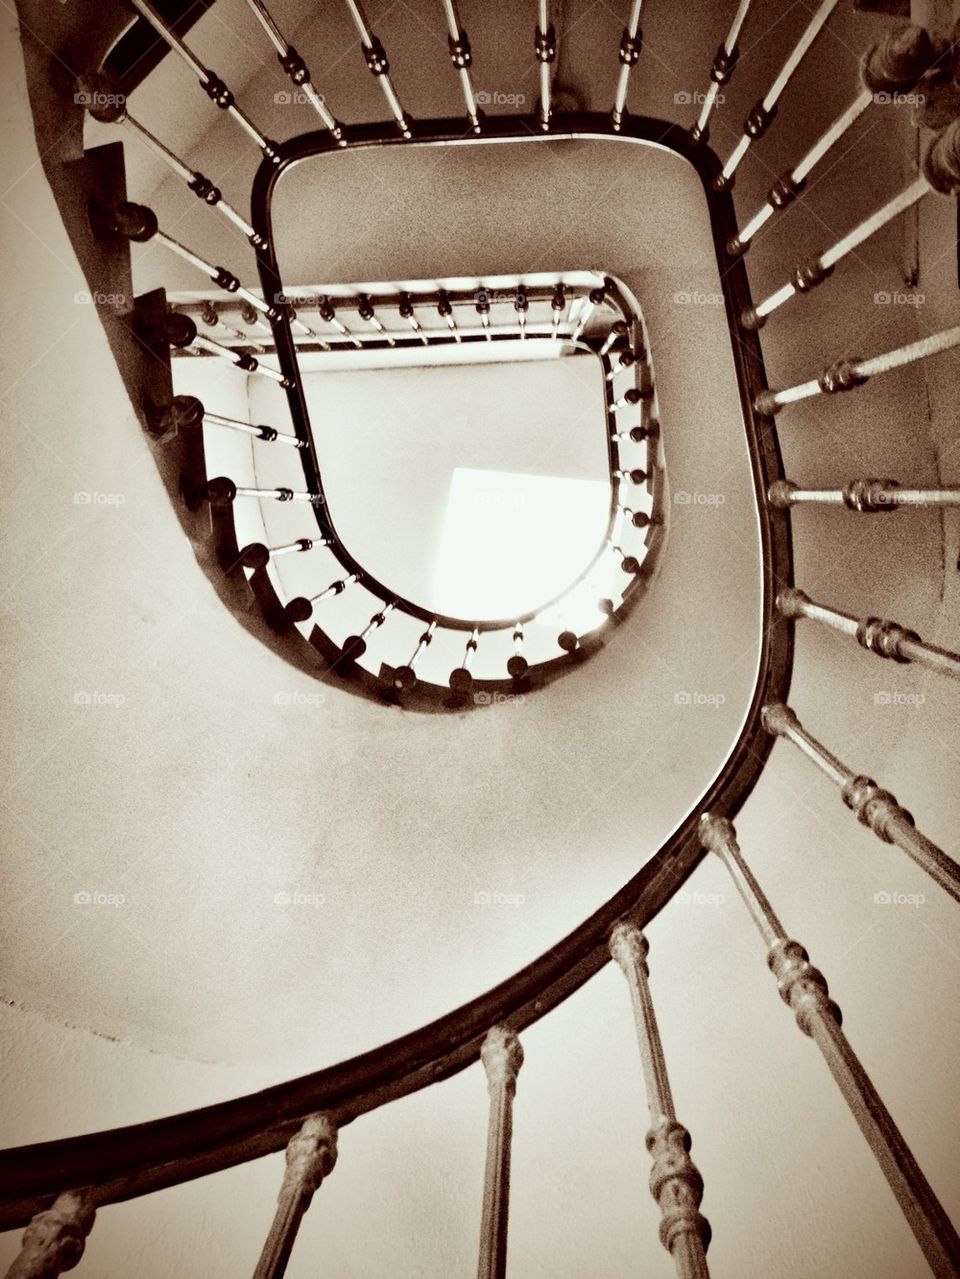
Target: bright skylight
513,541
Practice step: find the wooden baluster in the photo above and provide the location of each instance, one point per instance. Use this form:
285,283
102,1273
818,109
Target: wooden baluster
521,304
941,172
366,312
595,298
867,496
239,358
445,309
405,677
406,311
618,333
295,67
137,222
311,1155
874,807
461,680
327,313
631,45
545,48
762,114
300,608
461,55
675,1182
261,432
110,108
502,1057
379,66
222,491
558,304
483,310
846,373
724,65
876,634
804,989
55,1238
808,275
257,555
355,646
891,67
517,664
210,82
210,315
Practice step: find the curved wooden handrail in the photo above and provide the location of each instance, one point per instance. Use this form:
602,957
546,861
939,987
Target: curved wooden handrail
123,1163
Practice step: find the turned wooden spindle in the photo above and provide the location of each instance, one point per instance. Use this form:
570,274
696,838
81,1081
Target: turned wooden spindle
631,45
892,66
869,496
311,1155
502,1057
941,173
327,313
461,56
724,64
55,1238
875,634
296,69
846,373
215,89
803,989
105,104
379,66
762,114
874,807
675,1182
545,49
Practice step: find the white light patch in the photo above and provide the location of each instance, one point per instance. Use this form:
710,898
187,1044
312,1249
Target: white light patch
511,542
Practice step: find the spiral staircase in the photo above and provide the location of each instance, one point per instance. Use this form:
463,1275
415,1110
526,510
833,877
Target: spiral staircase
854,137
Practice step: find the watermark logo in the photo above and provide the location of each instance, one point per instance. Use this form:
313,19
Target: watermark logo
499,499
296,98
493,297
98,899
486,897
99,299
899,899
496,699
899,99
687,898
898,298
684,98
496,98
894,697
299,899
696,297
299,699
83,698
95,498
684,698
683,498
97,98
